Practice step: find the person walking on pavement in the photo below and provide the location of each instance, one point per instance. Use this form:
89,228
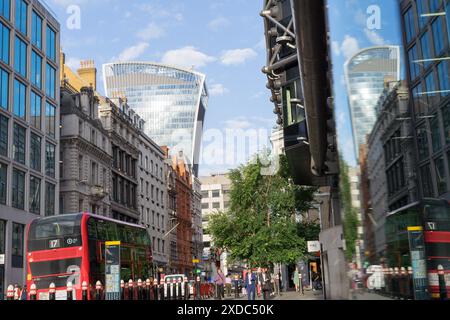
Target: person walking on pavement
276,283
236,287
297,280
250,284
228,284
258,282
24,293
219,280
265,284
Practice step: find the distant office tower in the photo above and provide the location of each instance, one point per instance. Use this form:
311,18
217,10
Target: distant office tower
172,101
365,75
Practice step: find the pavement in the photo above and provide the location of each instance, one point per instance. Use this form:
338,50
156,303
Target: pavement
365,295
291,295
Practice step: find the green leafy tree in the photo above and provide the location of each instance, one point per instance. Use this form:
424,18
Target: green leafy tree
350,213
260,226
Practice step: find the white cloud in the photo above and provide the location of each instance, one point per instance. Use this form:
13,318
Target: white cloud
237,56
335,46
151,31
218,23
73,63
187,57
349,46
218,89
133,52
239,123
374,37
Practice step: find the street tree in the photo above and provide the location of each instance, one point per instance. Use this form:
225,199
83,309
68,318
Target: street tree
260,226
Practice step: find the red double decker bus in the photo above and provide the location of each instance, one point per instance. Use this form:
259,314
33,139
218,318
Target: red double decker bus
72,248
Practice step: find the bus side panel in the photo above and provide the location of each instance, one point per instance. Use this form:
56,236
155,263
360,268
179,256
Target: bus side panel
84,276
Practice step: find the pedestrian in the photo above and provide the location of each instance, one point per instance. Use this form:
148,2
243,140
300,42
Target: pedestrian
276,283
258,282
236,286
265,284
228,284
250,284
24,293
297,280
219,280
16,292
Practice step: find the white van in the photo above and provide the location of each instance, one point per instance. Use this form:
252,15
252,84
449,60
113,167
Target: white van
376,279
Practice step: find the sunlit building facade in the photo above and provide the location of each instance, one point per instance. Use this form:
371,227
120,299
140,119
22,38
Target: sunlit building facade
365,75
172,101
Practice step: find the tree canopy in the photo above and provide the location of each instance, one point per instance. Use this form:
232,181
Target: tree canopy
260,226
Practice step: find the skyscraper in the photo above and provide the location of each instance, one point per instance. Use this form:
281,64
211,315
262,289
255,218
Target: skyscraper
29,128
365,75
171,100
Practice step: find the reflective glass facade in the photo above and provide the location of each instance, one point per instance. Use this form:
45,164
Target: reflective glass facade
365,74
172,102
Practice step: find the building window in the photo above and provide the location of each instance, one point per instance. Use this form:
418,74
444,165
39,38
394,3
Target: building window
3,136
20,57
4,44
216,193
421,11
422,141
51,44
205,194
431,90
438,36
36,30
205,206
19,145
19,99
3,182
216,205
18,189
93,136
94,174
49,199
35,106
4,89
435,134
50,119
427,184
17,245
441,177
50,81
4,8
414,67
35,152
21,16
443,76
50,160
35,195
36,69
426,49
409,25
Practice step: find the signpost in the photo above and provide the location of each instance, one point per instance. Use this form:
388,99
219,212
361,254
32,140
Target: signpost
417,249
112,270
313,246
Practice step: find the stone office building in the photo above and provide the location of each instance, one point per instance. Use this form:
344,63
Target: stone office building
29,135
123,133
152,199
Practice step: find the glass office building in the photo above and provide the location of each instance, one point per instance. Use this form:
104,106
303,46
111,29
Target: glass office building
365,75
29,127
171,100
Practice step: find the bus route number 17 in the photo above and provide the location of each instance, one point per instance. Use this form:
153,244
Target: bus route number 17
431,226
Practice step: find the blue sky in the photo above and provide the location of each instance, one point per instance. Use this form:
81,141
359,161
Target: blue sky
347,39
224,40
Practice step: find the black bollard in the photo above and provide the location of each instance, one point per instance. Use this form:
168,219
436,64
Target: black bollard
180,289
186,289
139,289
52,292
174,289
130,290
69,291
122,290
98,293
169,290
442,283
148,290
84,290
161,291
155,290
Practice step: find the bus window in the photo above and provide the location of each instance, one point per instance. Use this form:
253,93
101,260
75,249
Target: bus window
101,230
92,229
111,232
55,228
122,233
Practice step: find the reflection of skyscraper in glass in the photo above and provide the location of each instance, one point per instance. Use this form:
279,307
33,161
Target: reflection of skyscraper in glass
365,75
171,100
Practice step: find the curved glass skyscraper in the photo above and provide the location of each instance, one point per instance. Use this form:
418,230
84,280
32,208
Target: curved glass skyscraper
171,100
365,76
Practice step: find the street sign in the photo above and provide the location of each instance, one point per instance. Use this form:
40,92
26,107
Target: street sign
2,259
195,261
112,270
417,249
313,246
